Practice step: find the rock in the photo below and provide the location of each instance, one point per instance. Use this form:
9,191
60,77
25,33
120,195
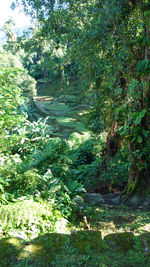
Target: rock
42,250
146,204
138,201
79,200
94,198
120,242
135,201
115,201
109,196
9,250
141,207
87,240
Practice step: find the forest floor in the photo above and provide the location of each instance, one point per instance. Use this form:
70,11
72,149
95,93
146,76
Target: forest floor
113,219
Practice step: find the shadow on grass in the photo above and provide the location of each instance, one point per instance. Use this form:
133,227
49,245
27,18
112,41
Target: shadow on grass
113,219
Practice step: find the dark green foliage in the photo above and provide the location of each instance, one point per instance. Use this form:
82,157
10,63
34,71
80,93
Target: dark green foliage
117,170
95,121
55,168
86,153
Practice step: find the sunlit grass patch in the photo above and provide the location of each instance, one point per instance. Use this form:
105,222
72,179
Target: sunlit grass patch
65,119
71,122
57,106
68,122
44,98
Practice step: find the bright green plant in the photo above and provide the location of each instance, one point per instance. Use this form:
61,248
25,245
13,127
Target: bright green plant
27,218
23,81
11,99
32,135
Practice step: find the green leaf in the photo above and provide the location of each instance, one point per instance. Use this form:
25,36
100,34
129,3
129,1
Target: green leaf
118,109
138,120
142,113
140,116
139,139
144,132
133,140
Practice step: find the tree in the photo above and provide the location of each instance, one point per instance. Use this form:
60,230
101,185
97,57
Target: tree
138,91
8,29
11,100
24,81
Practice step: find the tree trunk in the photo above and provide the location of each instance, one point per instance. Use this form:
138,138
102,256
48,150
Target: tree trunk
63,83
139,176
111,148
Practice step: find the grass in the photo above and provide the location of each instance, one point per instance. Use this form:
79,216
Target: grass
57,106
68,122
111,219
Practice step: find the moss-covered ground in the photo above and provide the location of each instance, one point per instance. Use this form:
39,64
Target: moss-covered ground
117,236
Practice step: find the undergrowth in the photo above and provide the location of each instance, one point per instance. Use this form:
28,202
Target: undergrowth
27,218
39,171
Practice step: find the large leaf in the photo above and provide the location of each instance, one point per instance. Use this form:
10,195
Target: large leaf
138,120
142,113
144,132
139,139
140,116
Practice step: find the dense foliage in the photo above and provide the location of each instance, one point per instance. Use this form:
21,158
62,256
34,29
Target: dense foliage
104,46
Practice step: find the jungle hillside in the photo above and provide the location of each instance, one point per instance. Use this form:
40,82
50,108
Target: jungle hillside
75,135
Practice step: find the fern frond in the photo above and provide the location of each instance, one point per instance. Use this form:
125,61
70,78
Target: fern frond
26,213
